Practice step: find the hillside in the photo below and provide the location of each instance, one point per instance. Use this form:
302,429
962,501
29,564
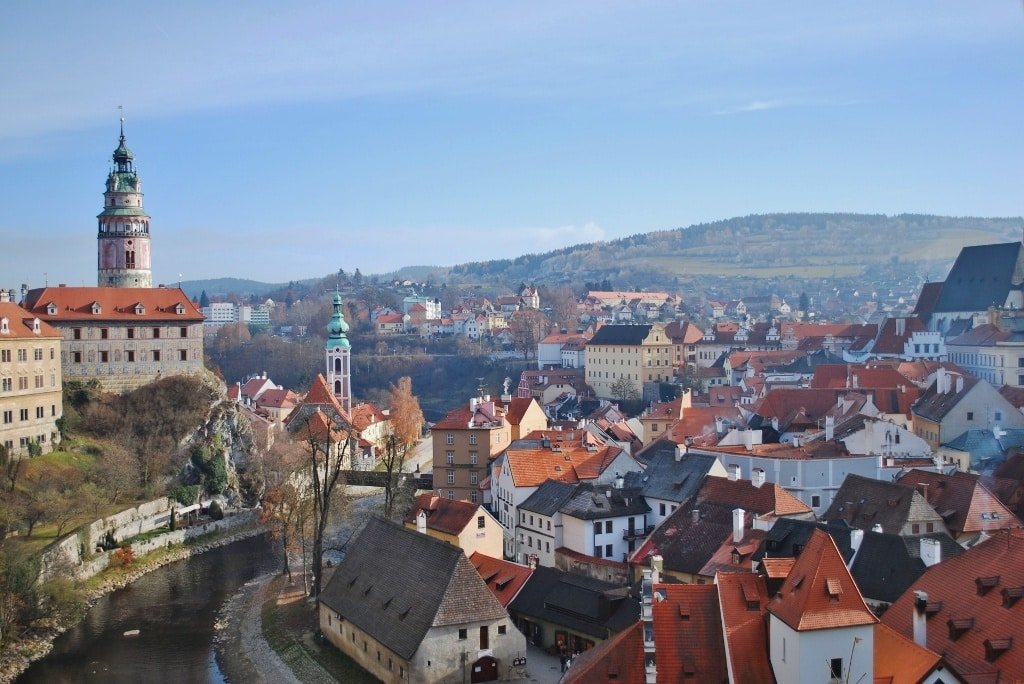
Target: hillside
219,287
759,246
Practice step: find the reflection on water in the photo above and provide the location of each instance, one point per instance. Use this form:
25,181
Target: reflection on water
173,608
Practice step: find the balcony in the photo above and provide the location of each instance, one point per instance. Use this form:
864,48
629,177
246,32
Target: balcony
637,533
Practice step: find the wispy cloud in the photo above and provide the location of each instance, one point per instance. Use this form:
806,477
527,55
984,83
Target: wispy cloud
785,103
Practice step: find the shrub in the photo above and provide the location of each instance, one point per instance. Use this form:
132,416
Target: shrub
123,557
186,495
216,511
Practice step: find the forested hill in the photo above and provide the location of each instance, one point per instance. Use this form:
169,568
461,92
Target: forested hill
761,246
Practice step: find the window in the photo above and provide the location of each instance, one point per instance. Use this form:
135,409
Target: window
40,412
53,409
131,333
156,354
52,353
597,527
473,477
462,633
999,415
815,501
156,333
7,385
472,439
104,357
484,638
5,355
501,630
835,667
548,546
76,357
970,415
37,354
480,522
472,496
607,550
183,355
531,520
129,356
76,333
104,333
182,332
472,457
450,438
597,552
607,526
449,457
23,414
23,355
915,528
8,417
451,477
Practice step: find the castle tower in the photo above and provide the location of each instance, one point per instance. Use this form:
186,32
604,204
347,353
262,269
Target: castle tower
338,352
123,250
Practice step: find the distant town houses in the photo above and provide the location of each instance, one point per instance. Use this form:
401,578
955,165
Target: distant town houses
218,314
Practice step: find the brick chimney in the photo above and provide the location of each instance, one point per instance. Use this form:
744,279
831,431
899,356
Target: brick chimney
737,525
920,619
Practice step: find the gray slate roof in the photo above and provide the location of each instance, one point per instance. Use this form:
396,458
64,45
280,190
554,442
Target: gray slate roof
548,498
580,603
590,502
981,277
934,405
620,334
863,502
788,536
395,584
886,565
666,478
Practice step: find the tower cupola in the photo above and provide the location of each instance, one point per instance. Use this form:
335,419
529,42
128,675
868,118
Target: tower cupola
123,237
338,351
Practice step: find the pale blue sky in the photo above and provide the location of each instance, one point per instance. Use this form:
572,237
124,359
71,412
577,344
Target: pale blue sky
285,140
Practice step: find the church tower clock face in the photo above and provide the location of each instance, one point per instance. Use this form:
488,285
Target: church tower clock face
123,226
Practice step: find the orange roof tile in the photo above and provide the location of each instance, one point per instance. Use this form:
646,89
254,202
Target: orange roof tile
777,568
502,577
19,323
619,658
743,598
115,304
898,659
769,498
530,467
688,633
444,515
819,592
365,414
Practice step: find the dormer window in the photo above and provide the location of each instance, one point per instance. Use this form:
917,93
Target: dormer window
140,309
997,647
96,308
179,309
35,326
51,309
959,627
5,326
985,584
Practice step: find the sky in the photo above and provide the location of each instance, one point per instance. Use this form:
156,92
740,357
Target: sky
279,141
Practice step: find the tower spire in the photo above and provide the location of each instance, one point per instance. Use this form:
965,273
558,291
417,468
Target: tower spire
124,254
338,351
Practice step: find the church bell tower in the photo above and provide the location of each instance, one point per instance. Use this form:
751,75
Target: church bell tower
338,352
123,250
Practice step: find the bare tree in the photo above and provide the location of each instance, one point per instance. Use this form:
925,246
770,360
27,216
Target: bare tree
528,327
118,472
624,389
11,465
406,425
328,444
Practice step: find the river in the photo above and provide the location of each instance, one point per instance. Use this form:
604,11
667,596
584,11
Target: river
174,608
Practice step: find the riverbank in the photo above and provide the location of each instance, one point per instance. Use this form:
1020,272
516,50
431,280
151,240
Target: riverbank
18,655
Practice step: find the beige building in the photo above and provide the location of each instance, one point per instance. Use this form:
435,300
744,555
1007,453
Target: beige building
459,523
122,337
956,403
30,380
467,439
643,354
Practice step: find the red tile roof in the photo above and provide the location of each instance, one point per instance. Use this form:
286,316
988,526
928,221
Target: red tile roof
688,633
619,659
898,659
964,503
743,598
502,577
769,498
530,467
320,394
957,589
115,304
819,592
444,515
19,322
516,409
278,398
365,414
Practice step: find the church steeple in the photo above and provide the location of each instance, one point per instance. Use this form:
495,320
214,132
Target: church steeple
123,249
338,353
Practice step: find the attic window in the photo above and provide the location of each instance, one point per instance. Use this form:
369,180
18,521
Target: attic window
1011,595
368,589
986,583
36,330
140,309
997,647
834,587
352,582
5,326
613,672
51,309
96,308
388,602
179,309
405,613
959,626
932,608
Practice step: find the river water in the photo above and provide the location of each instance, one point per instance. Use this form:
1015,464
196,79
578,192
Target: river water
174,608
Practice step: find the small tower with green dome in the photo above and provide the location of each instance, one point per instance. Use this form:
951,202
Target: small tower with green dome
339,351
124,253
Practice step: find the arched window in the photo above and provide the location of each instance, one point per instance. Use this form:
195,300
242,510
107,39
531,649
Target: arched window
337,386
337,365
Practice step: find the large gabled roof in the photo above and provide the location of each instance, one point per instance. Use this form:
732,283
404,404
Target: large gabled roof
158,304
768,499
667,478
688,633
886,565
504,578
625,335
981,277
548,498
444,515
863,502
965,504
395,584
819,592
743,598
20,324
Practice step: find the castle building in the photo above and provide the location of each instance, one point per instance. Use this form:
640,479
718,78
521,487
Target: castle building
338,355
30,381
123,239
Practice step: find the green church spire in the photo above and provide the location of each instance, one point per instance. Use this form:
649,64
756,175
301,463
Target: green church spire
337,327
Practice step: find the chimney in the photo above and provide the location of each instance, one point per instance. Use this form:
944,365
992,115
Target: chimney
757,477
734,472
856,537
421,522
620,481
264,375
748,439
737,525
695,515
931,552
855,381
657,563
830,427
877,527
680,452
959,384
719,425
920,619
901,326
647,617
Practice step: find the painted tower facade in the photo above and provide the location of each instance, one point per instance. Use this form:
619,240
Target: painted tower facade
124,253
339,353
